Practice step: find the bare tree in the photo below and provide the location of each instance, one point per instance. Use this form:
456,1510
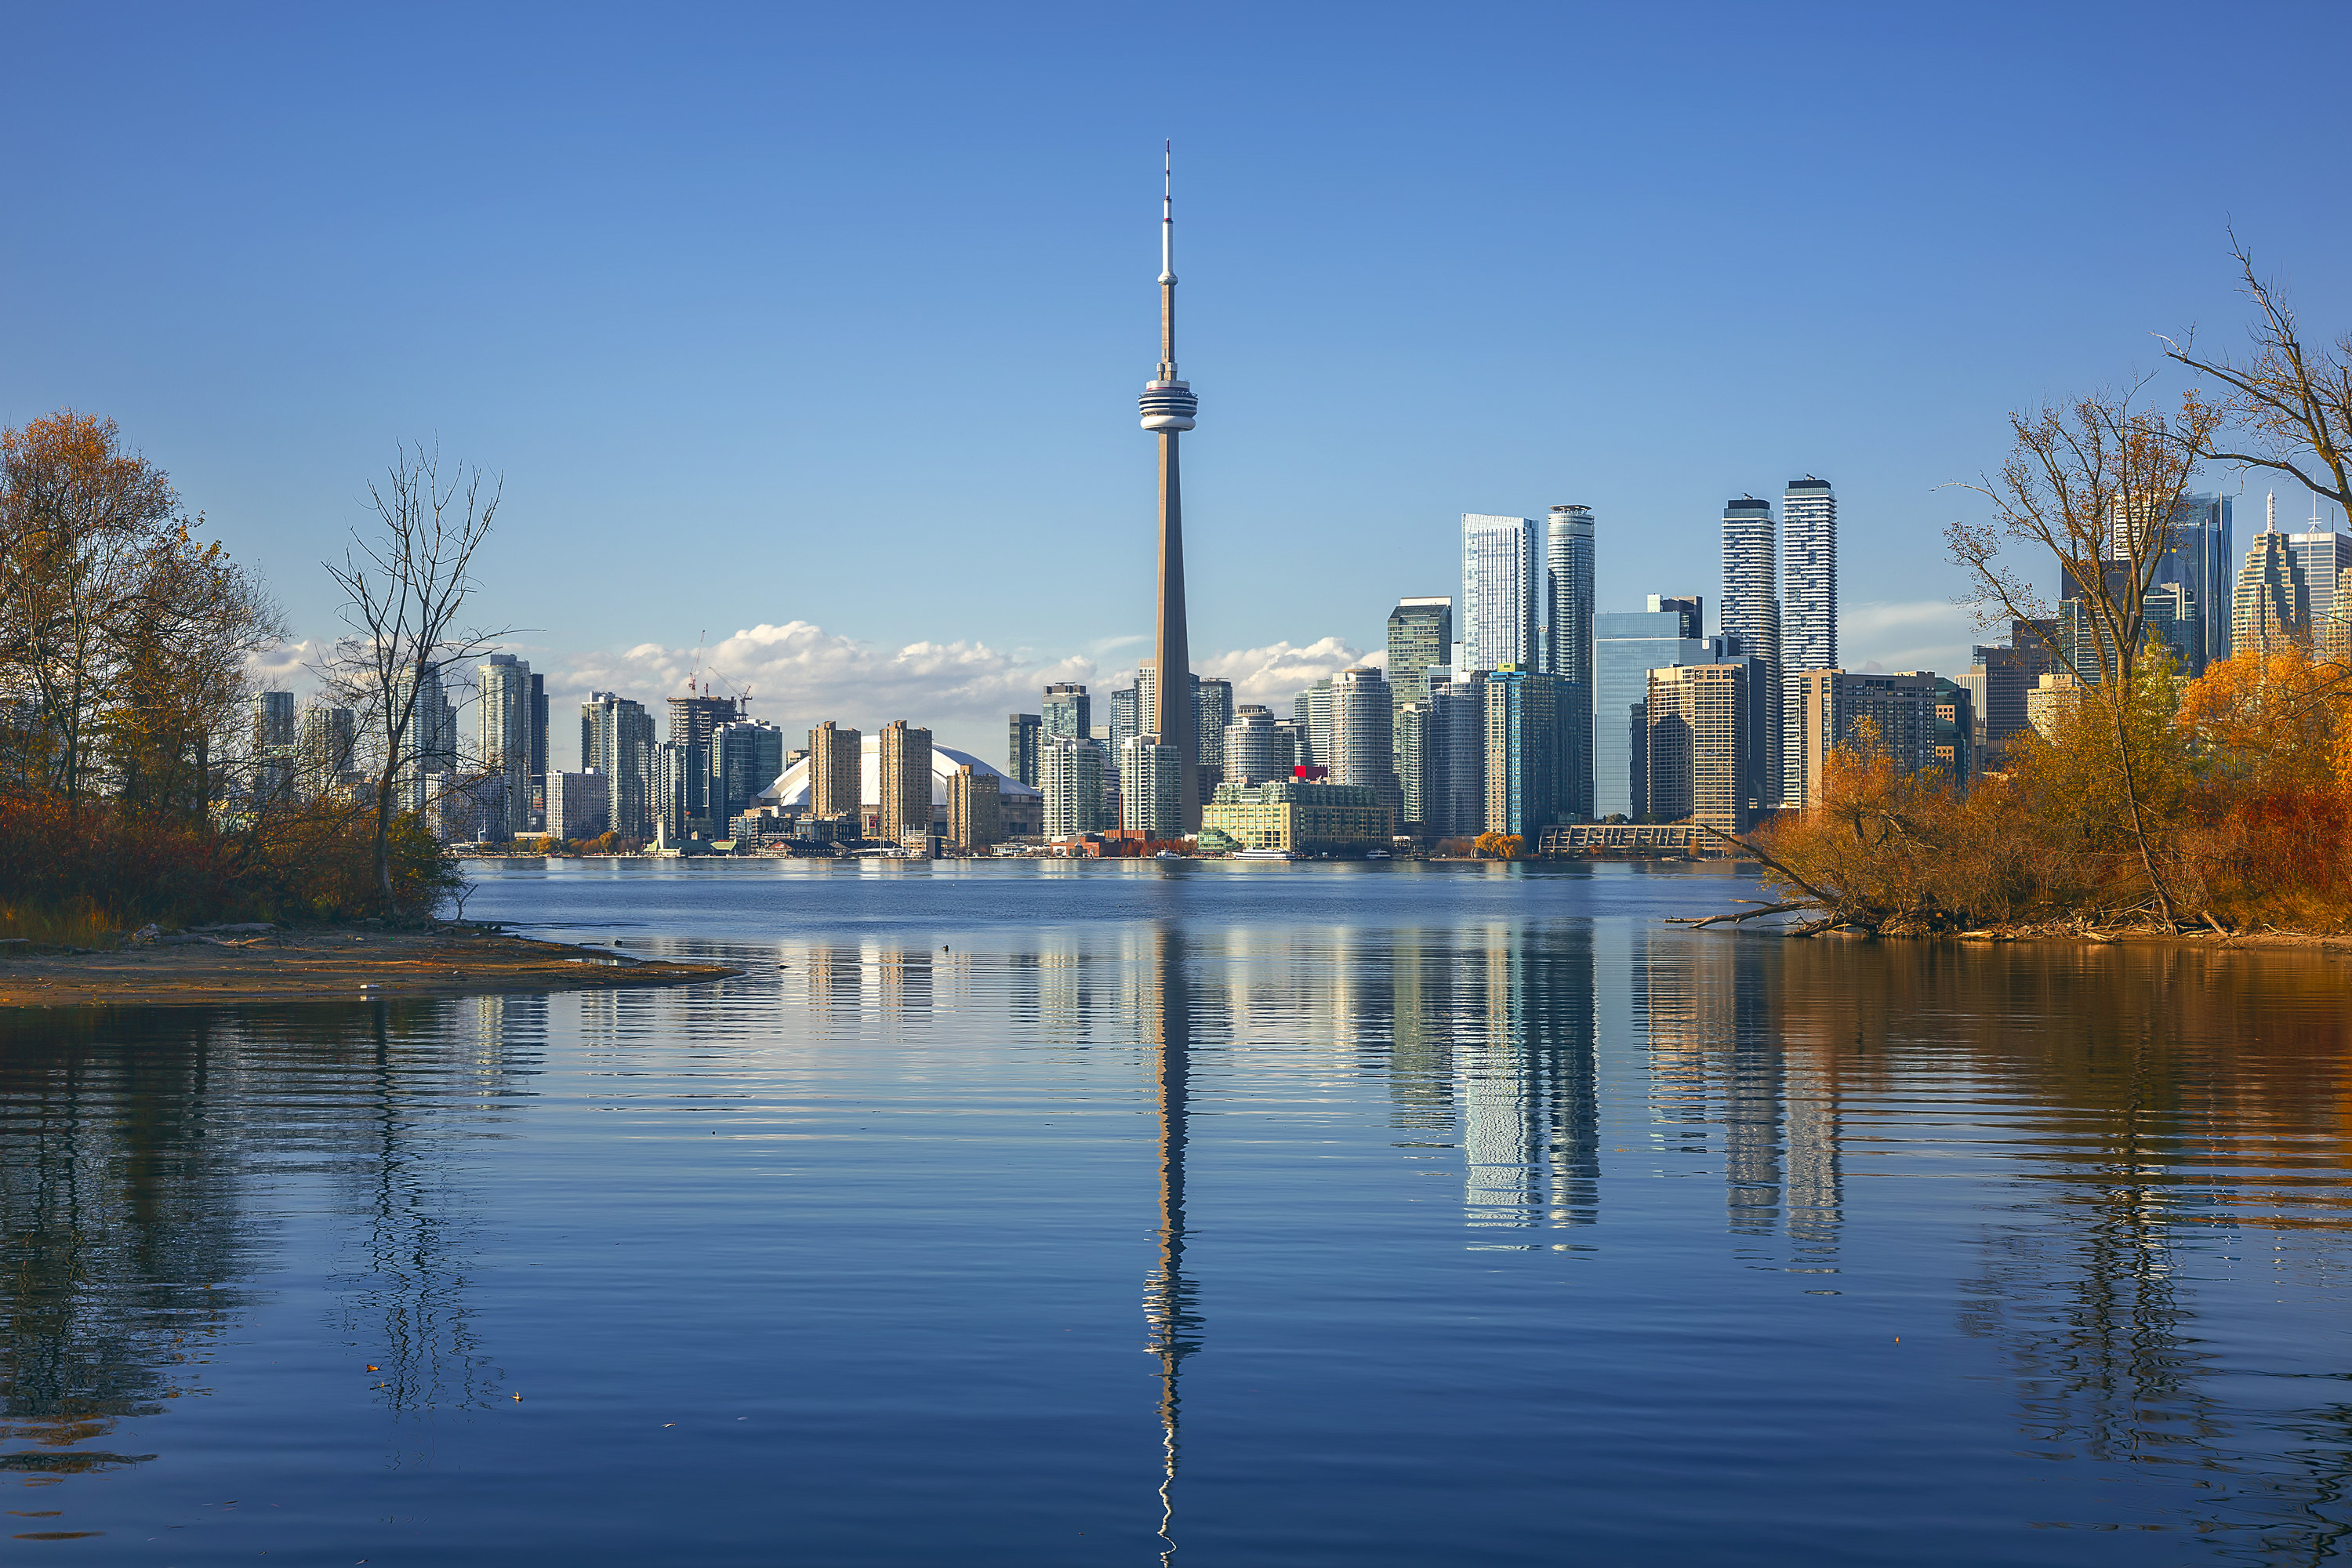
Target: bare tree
2286,406
2092,486
406,588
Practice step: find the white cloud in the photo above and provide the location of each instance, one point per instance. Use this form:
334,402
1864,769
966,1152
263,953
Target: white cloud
1921,634
1276,673
800,674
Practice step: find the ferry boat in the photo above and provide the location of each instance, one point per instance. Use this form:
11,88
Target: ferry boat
1265,854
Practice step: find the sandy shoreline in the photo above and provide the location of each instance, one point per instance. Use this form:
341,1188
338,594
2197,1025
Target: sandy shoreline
366,963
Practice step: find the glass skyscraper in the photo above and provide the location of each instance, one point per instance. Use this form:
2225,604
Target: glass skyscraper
1501,564
1626,647
1809,608
1421,633
1750,611
1569,561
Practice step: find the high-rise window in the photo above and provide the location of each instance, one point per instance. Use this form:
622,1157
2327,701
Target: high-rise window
1569,564
1501,562
1809,609
1750,611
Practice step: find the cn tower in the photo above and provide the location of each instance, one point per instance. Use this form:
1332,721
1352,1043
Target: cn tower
1167,407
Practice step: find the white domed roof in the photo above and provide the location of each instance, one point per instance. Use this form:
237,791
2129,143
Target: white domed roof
792,788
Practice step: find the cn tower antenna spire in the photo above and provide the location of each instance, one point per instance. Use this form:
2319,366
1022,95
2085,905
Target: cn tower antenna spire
1169,407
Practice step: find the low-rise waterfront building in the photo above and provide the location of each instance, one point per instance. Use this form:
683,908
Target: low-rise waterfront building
1299,816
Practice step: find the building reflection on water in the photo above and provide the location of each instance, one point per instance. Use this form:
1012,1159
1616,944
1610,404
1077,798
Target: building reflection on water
131,1145
2145,1109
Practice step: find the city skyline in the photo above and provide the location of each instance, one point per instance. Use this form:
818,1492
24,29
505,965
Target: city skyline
701,311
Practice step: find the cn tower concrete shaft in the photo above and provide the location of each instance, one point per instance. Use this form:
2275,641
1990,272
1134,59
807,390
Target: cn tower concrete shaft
1171,648
1169,407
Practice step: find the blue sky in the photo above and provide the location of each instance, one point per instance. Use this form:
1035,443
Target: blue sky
831,321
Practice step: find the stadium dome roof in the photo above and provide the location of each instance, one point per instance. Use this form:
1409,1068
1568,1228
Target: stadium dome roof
793,787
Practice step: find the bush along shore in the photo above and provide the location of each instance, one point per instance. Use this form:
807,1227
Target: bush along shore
2241,781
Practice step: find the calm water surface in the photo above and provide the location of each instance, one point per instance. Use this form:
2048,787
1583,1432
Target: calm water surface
1227,1215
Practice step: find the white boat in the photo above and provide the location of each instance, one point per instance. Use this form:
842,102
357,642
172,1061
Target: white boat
1378,855
1166,855
1265,855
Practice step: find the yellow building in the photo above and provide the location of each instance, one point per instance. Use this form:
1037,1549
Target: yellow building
1310,818
906,813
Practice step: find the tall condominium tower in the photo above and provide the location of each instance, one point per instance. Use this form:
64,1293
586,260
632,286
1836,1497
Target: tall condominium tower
1569,558
1167,406
1022,732
1213,709
2274,600
1072,782
1521,710
506,715
273,745
1809,609
2323,555
616,739
905,782
837,771
1750,611
1421,633
1067,713
1501,562
1363,735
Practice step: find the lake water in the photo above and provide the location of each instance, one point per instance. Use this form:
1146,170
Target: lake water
1217,1214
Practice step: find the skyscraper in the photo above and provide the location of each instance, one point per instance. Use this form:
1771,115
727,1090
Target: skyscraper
616,739
1808,606
273,768
1148,793
1701,763
1421,633
905,783
1626,647
1212,709
1363,736
428,745
1072,775
1568,552
972,808
1067,713
1167,406
836,772
1501,561
2274,602
1834,703
505,716
746,757
1522,719
538,751
1023,734
1454,763
1750,611
1255,751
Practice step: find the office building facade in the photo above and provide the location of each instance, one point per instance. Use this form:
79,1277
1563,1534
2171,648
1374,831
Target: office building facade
746,756
1213,709
1750,611
1808,606
1256,747
1455,756
579,805
1521,710
1569,580
1067,713
1627,646
616,739
1502,562
836,771
1072,775
973,819
1702,760
505,718
1421,633
905,783
1022,733
2273,605
1363,735
1150,799
1835,704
